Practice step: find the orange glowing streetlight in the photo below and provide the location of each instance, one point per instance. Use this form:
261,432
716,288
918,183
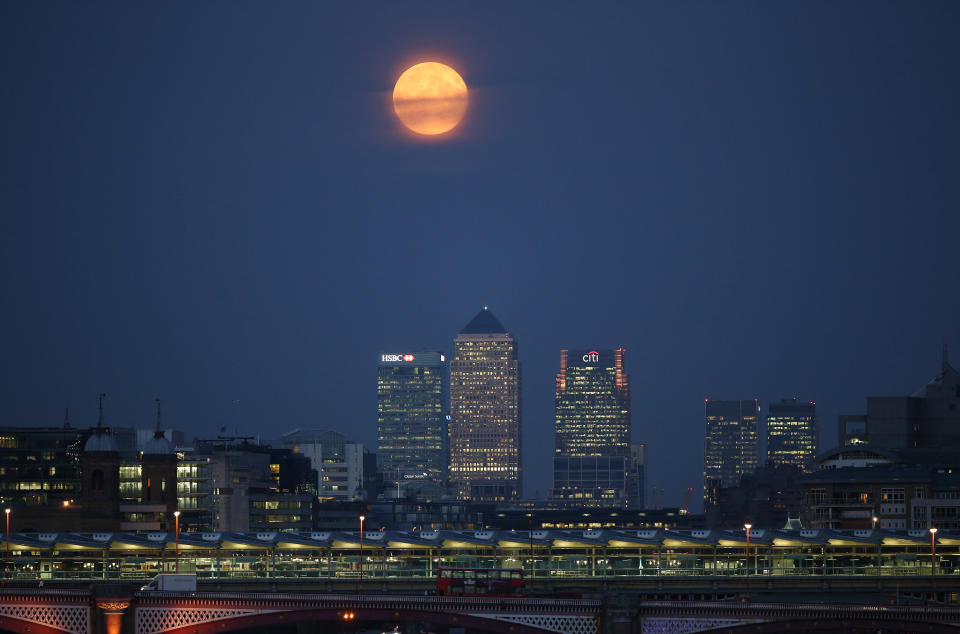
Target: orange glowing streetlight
176,519
360,587
747,528
933,563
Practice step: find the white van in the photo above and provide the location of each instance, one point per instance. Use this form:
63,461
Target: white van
172,583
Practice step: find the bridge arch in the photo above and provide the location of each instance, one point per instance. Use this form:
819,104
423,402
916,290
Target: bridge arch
22,615
16,626
377,615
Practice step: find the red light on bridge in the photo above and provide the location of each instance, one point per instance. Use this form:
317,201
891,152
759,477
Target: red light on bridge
348,616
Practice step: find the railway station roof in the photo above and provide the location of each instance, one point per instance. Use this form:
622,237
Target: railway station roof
472,540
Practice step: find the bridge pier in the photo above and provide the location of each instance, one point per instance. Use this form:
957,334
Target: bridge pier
621,616
112,602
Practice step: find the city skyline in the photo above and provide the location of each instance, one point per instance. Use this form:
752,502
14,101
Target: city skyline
755,201
761,432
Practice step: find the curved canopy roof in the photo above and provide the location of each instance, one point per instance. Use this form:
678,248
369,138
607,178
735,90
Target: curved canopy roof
475,540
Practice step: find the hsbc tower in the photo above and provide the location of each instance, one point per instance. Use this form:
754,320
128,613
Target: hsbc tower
411,422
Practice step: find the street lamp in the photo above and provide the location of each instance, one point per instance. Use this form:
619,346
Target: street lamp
530,516
933,563
176,519
747,528
360,586
874,519
6,562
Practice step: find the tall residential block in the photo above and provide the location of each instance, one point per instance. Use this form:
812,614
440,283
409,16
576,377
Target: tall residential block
485,412
792,433
412,426
593,463
731,444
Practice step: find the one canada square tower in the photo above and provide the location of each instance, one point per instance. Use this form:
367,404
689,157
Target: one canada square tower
485,412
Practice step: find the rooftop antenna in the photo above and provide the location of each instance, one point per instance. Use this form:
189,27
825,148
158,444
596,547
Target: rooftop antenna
159,432
100,398
946,356
66,417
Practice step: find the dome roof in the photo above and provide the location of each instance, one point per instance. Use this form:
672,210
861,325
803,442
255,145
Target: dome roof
158,445
100,441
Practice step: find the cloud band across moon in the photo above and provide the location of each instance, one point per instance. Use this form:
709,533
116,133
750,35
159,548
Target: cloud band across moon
430,98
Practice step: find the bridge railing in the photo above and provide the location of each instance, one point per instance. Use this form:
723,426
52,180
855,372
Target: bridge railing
801,609
360,600
45,592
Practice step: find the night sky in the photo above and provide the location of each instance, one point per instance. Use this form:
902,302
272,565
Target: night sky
214,203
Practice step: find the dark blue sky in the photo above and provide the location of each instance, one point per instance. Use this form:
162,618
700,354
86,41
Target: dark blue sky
212,202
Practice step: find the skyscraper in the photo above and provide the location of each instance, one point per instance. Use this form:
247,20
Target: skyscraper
412,427
485,412
592,404
792,433
730,447
592,463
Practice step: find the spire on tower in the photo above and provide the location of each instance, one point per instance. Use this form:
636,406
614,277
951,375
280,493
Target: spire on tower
66,417
100,440
100,398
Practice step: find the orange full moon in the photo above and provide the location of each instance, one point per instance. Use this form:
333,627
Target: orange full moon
430,98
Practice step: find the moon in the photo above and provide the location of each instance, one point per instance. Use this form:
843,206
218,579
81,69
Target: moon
430,98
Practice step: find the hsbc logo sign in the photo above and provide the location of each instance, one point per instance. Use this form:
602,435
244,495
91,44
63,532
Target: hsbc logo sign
396,358
592,356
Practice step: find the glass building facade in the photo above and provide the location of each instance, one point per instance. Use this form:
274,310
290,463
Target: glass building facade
485,412
730,448
792,433
593,463
412,426
40,465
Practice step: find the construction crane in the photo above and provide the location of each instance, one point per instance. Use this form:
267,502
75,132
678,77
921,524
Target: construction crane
686,501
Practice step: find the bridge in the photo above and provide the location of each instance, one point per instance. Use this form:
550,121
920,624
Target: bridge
120,609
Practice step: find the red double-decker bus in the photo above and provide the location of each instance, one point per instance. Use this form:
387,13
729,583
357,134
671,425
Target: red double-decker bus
480,582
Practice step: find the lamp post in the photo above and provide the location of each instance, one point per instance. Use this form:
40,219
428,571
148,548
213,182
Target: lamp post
360,585
176,519
933,563
6,561
530,517
874,520
747,528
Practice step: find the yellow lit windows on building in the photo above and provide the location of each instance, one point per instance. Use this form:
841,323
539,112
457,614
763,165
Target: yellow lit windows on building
792,435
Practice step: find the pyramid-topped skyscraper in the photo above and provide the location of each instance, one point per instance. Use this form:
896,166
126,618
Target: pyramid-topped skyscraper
485,412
